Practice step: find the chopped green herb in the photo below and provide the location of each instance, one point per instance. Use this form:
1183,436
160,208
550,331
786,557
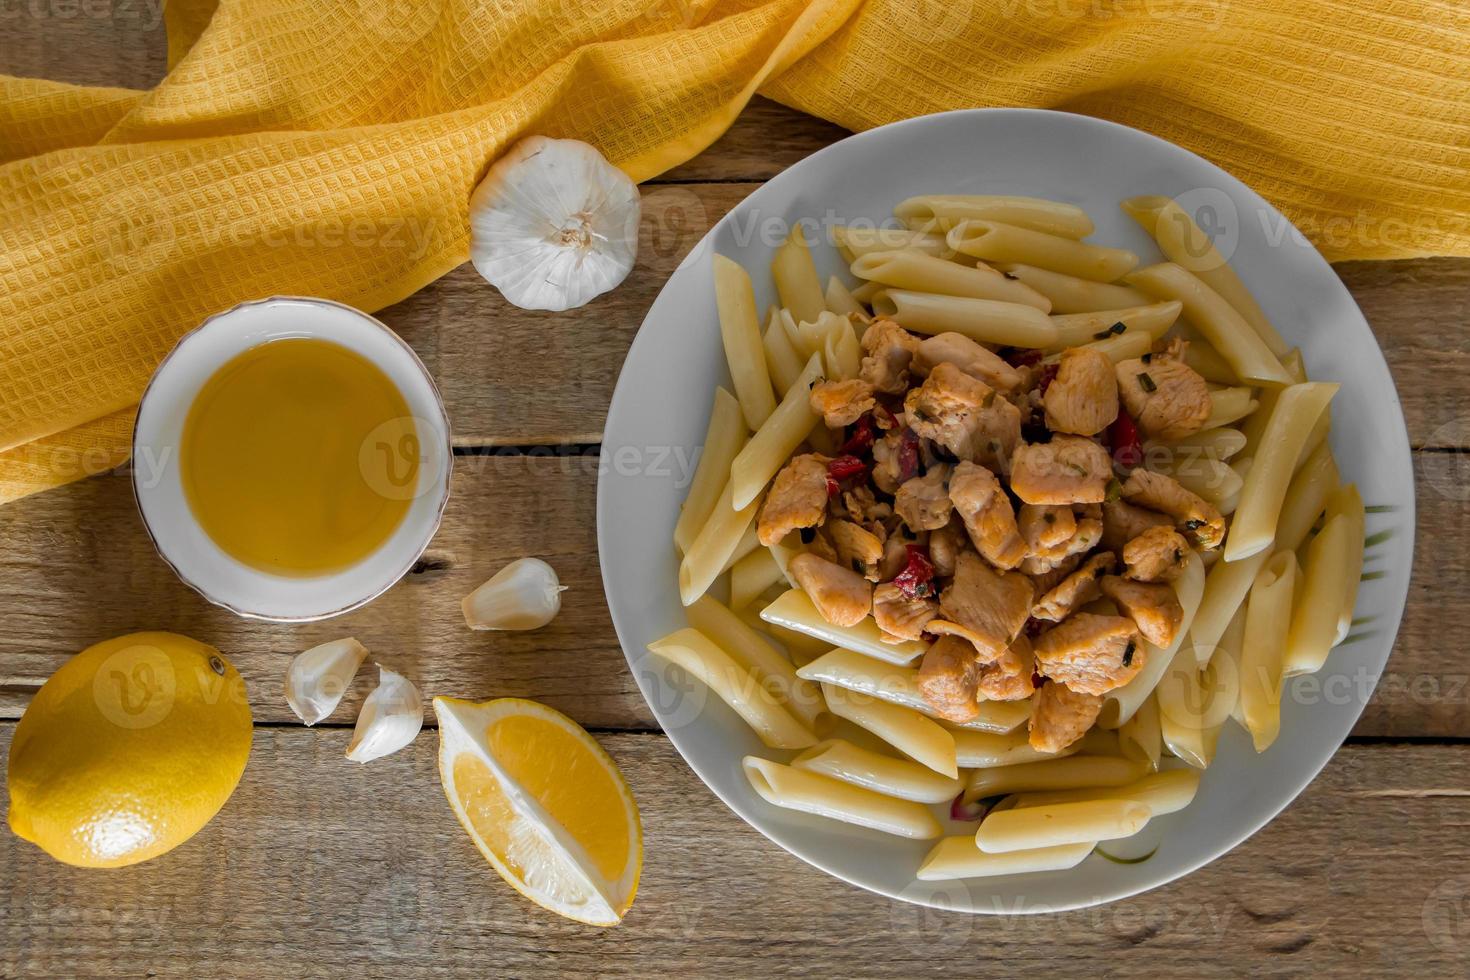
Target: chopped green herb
1193,524
1115,490
1128,654
1115,329
1147,358
1076,468
1147,383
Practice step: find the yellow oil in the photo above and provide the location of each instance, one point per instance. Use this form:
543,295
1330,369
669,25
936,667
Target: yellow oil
298,457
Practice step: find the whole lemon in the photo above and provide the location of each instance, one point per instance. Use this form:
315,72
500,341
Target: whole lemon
128,750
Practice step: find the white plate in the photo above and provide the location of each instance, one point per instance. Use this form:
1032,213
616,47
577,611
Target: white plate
661,407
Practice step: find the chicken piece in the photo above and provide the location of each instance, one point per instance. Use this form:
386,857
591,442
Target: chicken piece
860,506
945,408
900,617
1122,522
969,357
1157,555
1074,591
945,545
986,607
1053,534
1067,470
820,544
857,548
841,403
1153,607
798,498
1166,397
1045,581
1011,676
1083,397
842,596
889,349
983,505
997,434
1061,716
1089,653
1194,516
948,679
888,459
923,502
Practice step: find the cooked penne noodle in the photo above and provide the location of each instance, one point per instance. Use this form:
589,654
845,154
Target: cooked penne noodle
1230,405
1070,294
802,648
1255,424
823,796
987,321
842,354
748,543
1218,443
1073,772
996,242
1140,737
772,445
795,611
857,242
917,737
746,647
1209,478
772,722
1247,354
959,857
1297,410
1120,704
1267,618
723,438
1193,704
1121,347
1099,741
796,278
782,552
1208,363
782,361
852,671
839,300
741,334
908,269
712,547
982,750
1346,502
1324,585
899,778
1164,792
1184,243
752,575
947,210
1060,823
1154,319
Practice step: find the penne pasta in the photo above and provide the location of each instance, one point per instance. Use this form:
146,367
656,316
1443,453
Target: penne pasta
1074,329
987,321
1070,294
1140,737
840,301
1324,584
1122,703
795,611
770,669
1243,349
1229,405
857,242
1184,243
1121,347
1218,443
709,553
899,778
913,270
1193,703
741,334
947,210
996,242
1208,478
1164,792
1255,424
782,361
1074,772
752,575
1346,502
723,438
982,750
959,857
700,656
1054,824
917,737
796,278
771,446
823,796
1267,618
1208,364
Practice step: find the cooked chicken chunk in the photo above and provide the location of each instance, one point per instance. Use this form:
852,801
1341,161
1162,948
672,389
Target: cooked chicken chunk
969,357
1122,522
945,408
945,545
860,506
889,349
888,459
1083,397
986,607
1061,716
1010,676
841,402
798,498
1067,470
997,434
923,502
1153,607
1053,534
842,596
899,617
948,679
1045,581
1167,398
1090,654
1074,591
983,505
820,544
857,548
1157,555
1163,493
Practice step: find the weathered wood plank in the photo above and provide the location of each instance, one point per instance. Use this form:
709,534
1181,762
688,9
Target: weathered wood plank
318,867
76,567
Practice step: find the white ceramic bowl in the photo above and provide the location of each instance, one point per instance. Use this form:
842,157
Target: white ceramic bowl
158,486
661,407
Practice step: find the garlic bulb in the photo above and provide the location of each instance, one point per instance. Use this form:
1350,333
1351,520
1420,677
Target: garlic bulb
553,224
524,595
390,718
317,679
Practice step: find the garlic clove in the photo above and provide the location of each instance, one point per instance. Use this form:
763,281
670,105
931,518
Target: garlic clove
524,595
317,678
553,224
390,718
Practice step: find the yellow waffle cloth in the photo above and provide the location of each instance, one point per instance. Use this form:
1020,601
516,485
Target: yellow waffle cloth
127,217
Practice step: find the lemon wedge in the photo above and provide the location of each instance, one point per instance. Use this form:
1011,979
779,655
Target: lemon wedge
544,803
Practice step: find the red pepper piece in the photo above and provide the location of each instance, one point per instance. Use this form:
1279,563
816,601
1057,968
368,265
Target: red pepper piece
908,455
862,437
1021,357
1124,440
843,468
917,578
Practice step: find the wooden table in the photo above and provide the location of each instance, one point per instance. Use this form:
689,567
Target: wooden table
321,867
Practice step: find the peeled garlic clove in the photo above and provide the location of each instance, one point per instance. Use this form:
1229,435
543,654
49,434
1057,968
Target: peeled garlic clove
317,679
390,718
553,224
524,595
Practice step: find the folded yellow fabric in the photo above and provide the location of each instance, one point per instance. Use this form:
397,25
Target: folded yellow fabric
127,217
